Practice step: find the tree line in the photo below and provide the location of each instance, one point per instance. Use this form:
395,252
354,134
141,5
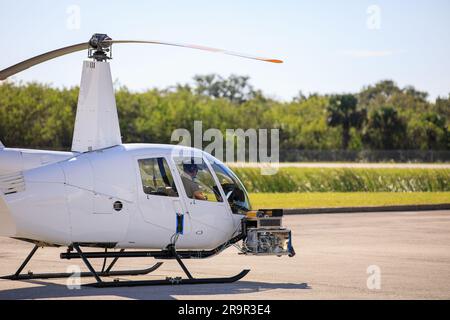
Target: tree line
382,116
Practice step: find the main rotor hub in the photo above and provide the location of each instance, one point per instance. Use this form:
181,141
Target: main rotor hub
100,47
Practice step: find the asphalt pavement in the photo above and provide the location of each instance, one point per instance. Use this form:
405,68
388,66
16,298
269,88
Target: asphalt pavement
389,255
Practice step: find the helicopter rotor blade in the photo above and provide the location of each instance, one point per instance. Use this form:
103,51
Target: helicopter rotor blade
198,47
4,74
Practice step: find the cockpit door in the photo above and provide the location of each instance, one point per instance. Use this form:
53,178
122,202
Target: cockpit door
211,220
159,199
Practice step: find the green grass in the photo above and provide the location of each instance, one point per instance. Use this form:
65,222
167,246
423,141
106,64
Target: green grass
344,199
346,180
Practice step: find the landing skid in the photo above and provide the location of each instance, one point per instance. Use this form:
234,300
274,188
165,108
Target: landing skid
169,281
123,283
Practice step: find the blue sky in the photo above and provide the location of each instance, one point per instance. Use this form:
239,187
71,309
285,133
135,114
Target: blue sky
328,46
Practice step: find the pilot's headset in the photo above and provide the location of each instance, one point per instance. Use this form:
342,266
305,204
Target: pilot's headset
190,167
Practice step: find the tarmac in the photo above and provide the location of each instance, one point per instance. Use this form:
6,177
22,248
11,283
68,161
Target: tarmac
376,255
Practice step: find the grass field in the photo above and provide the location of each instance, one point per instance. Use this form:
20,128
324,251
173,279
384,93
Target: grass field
344,199
346,180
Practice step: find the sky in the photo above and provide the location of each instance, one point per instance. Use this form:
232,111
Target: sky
327,46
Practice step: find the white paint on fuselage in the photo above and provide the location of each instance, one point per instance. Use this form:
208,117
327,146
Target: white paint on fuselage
15,160
72,201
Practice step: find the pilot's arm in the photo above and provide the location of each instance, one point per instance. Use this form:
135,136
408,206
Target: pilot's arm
193,189
197,192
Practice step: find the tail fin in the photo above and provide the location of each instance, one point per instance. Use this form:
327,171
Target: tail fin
1,145
96,123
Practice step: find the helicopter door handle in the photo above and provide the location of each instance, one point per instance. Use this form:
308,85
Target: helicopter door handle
177,207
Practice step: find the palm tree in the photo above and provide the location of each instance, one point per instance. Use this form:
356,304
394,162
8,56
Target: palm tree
343,111
385,129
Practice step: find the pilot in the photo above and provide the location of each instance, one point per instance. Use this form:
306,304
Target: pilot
192,187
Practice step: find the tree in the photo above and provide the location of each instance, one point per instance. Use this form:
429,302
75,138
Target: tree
34,115
300,97
381,91
343,111
385,130
429,132
442,107
237,89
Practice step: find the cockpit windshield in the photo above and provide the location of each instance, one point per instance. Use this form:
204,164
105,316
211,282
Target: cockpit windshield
233,188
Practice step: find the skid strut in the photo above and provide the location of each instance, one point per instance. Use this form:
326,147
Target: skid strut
106,273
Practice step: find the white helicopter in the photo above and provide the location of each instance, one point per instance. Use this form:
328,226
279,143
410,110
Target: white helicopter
163,201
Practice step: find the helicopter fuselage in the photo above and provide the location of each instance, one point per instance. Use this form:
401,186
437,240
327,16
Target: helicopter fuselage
99,198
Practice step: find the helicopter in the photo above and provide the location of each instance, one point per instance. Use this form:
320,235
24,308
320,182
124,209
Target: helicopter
131,200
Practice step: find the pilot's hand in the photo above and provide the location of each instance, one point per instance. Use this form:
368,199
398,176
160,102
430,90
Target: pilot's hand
200,196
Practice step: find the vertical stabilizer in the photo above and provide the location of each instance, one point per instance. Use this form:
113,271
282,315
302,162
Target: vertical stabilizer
1,145
96,123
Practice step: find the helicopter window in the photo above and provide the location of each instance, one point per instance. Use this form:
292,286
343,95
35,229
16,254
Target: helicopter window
157,178
197,180
233,188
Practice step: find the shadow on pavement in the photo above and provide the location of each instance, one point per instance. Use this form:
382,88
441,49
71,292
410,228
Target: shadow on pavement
47,290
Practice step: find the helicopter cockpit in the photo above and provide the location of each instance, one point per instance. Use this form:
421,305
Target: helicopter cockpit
212,195
200,184
233,188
